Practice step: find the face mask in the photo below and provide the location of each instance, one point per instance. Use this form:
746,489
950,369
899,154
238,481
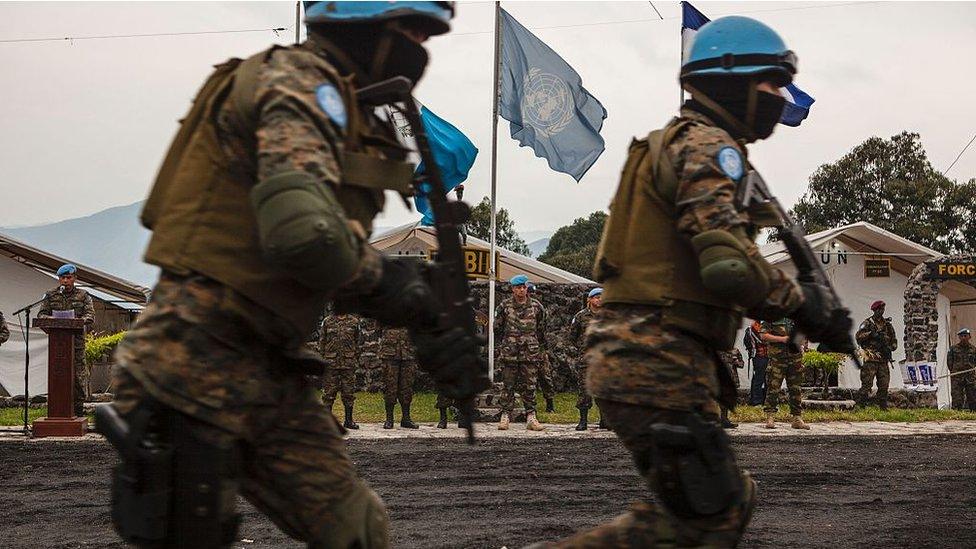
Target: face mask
374,52
405,58
769,109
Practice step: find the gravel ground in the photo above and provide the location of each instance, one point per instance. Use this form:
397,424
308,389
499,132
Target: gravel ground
827,491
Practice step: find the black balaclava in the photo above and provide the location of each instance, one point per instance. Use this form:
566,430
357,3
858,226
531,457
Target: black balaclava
732,94
372,51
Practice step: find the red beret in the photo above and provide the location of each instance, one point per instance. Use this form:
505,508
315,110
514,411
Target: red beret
877,304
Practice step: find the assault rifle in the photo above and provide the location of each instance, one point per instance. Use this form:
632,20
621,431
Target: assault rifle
754,192
447,275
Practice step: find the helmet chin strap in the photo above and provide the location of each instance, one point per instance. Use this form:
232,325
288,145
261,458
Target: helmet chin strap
380,56
744,130
382,52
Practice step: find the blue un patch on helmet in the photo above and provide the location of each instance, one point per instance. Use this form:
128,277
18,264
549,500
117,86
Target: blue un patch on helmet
730,161
331,102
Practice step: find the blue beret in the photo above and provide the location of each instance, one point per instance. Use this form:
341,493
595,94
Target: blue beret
67,269
518,280
595,291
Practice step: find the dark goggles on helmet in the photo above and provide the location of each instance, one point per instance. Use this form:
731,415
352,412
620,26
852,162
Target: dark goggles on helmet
786,61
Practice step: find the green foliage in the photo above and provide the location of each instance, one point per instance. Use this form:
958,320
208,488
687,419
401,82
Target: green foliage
479,226
827,362
892,184
573,247
99,346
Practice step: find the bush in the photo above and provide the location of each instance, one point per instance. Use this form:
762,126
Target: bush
827,363
99,346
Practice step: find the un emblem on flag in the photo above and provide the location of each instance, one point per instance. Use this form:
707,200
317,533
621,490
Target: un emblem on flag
546,102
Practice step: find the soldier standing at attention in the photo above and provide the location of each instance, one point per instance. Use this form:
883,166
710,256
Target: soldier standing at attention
876,336
520,328
577,330
732,360
679,268
340,340
785,362
215,367
546,384
962,358
68,297
399,371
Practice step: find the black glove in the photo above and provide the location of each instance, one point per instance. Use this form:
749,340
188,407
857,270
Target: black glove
453,358
819,321
401,298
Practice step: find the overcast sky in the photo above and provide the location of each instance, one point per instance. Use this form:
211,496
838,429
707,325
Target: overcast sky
86,123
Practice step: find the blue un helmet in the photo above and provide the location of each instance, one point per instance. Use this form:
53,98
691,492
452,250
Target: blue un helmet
736,45
432,17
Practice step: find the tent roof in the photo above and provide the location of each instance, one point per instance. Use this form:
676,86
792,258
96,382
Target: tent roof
536,270
107,287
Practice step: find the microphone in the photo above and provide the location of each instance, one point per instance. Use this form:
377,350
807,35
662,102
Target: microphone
61,289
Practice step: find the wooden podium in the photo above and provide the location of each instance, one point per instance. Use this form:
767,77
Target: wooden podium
60,420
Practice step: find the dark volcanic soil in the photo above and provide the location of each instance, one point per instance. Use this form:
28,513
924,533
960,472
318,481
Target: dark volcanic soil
834,492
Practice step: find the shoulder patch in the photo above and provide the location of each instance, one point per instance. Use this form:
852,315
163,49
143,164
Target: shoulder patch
331,102
730,161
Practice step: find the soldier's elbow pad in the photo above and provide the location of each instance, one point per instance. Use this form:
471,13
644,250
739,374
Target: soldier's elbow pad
303,231
728,269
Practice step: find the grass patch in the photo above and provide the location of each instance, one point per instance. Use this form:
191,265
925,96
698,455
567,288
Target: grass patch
369,408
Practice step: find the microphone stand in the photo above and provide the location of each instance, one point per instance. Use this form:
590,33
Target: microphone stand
26,333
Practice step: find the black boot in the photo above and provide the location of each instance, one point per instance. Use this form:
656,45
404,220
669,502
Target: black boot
442,424
550,407
349,423
388,424
405,420
726,424
603,422
584,413
463,421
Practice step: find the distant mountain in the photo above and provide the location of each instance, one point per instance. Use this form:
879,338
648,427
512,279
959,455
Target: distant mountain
111,240
532,236
538,247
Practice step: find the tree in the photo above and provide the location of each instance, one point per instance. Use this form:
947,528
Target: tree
573,247
892,184
479,226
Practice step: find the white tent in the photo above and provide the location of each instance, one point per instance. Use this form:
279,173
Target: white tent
843,251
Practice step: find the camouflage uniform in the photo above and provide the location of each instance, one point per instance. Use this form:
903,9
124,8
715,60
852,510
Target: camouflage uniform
80,302
733,363
645,370
236,363
577,329
339,342
784,363
545,380
4,330
399,366
521,331
876,336
962,357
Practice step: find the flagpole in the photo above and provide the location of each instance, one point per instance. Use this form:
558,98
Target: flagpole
298,22
496,76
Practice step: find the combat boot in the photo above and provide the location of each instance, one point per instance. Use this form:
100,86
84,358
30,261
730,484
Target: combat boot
770,422
442,424
798,423
463,421
883,404
550,405
584,413
603,422
532,424
405,420
726,423
349,423
388,424
503,422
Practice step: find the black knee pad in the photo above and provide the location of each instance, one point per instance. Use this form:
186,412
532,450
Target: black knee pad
691,467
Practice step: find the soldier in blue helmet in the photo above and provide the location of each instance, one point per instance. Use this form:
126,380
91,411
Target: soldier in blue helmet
261,215
520,330
679,269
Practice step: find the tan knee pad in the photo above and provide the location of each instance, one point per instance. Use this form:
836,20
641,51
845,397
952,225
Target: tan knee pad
360,521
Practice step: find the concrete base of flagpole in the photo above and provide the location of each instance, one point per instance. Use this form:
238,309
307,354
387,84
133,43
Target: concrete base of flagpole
488,408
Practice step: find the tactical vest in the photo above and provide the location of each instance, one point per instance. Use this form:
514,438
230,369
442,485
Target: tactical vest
200,211
644,259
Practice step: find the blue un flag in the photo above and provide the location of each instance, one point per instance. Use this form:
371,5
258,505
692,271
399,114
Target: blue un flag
798,103
454,154
546,103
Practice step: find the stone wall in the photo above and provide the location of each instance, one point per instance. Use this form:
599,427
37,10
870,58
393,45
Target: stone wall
921,315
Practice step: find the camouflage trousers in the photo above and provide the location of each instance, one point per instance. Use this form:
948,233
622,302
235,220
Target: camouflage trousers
444,401
252,398
778,369
583,399
963,390
869,372
398,376
518,377
338,381
544,381
78,383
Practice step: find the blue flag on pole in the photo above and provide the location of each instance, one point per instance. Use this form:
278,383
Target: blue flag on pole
454,154
797,101
544,100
